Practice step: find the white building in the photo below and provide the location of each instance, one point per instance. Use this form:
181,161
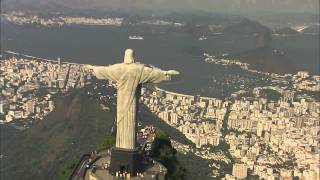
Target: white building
239,171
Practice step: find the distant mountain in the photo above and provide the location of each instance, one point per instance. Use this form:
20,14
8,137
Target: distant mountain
225,6
262,34
263,57
74,128
267,59
246,26
312,29
287,31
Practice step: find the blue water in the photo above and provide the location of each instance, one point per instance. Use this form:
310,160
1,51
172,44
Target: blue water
103,45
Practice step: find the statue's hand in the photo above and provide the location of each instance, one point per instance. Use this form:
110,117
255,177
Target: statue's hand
172,72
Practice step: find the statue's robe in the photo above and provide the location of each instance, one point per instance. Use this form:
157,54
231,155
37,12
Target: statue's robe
129,78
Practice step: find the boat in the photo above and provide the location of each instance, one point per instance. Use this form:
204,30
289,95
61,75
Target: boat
136,37
202,38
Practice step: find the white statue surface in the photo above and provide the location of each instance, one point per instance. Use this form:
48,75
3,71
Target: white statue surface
129,76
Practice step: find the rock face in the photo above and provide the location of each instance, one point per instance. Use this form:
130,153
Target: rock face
263,57
267,59
287,31
246,26
75,127
314,29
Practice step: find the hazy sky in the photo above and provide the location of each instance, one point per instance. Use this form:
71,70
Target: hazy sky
188,5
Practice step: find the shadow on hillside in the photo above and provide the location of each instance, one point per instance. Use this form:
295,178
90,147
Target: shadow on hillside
148,118
190,161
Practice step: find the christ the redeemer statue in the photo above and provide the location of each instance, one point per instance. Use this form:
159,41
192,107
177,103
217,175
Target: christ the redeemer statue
129,76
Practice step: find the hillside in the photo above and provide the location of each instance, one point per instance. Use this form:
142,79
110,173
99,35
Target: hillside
247,27
189,161
267,60
75,127
287,31
263,57
314,29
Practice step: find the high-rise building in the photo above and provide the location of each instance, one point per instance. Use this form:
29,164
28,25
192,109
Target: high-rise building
51,105
299,122
259,129
303,74
59,61
1,108
174,118
267,136
1,82
164,115
30,107
239,171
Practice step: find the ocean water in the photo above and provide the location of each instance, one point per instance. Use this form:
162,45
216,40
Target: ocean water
102,45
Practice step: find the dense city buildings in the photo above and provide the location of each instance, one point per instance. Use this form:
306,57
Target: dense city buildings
29,84
271,132
20,18
198,118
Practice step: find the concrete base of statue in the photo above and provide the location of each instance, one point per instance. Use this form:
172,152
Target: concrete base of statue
125,161
97,166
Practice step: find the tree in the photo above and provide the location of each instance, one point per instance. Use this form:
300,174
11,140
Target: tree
163,152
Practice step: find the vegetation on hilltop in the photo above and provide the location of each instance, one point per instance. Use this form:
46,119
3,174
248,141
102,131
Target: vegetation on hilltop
266,59
67,168
270,94
107,143
163,152
74,128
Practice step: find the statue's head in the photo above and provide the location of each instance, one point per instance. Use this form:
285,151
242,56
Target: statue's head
129,56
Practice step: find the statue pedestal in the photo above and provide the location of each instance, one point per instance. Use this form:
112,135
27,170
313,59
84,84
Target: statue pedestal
125,160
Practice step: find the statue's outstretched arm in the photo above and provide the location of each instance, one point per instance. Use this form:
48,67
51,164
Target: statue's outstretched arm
172,72
156,75
104,72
